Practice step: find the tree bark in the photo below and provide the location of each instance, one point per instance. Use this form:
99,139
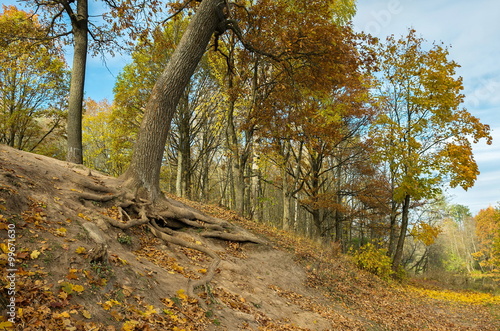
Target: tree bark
183,180
286,217
143,174
398,255
74,126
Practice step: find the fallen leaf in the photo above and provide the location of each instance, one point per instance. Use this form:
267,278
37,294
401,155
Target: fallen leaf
78,288
81,250
61,232
71,275
4,248
35,254
129,325
86,314
181,294
6,325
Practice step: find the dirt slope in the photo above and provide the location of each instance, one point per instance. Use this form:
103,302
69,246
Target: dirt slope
140,283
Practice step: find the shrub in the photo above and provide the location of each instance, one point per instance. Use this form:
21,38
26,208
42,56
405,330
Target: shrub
374,260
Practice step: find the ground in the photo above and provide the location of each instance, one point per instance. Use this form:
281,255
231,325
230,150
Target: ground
71,269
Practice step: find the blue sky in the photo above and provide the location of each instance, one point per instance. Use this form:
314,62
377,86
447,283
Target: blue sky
470,28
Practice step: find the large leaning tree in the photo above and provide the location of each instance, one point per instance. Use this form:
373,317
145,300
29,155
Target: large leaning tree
143,174
137,192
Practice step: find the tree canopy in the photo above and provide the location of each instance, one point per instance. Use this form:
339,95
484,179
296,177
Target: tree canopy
33,83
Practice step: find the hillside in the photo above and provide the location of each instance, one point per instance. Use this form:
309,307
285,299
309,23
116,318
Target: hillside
139,282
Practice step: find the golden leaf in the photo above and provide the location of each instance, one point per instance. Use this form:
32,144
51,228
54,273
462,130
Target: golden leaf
129,325
4,248
181,294
35,254
78,288
6,325
80,250
86,314
61,232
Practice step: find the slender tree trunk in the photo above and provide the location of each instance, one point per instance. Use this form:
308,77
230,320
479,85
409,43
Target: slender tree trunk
238,187
74,128
183,180
338,212
398,255
178,176
393,222
143,174
392,230
286,218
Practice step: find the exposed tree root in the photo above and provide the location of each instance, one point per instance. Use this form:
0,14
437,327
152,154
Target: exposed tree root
170,237
163,219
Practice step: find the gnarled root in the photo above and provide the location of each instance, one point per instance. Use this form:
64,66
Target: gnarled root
172,215
169,237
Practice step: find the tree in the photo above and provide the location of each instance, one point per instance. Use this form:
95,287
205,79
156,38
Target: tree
33,82
57,13
488,234
143,173
77,12
422,134
104,143
194,112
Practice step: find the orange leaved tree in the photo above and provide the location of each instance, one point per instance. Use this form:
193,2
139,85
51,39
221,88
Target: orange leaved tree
423,135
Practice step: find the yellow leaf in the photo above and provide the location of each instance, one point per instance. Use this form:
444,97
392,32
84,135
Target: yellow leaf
151,310
78,288
202,271
85,217
81,250
110,303
86,314
64,314
178,268
4,248
61,232
35,254
6,325
129,325
181,294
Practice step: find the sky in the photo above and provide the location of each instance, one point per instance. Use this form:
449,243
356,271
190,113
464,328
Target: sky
469,28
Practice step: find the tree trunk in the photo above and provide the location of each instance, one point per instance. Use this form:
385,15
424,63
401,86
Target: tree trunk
74,128
286,218
398,255
183,180
392,230
338,201
143,174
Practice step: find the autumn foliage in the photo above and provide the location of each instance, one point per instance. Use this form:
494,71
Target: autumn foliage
289,119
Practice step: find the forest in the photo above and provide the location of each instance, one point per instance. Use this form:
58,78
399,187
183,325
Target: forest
276,110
